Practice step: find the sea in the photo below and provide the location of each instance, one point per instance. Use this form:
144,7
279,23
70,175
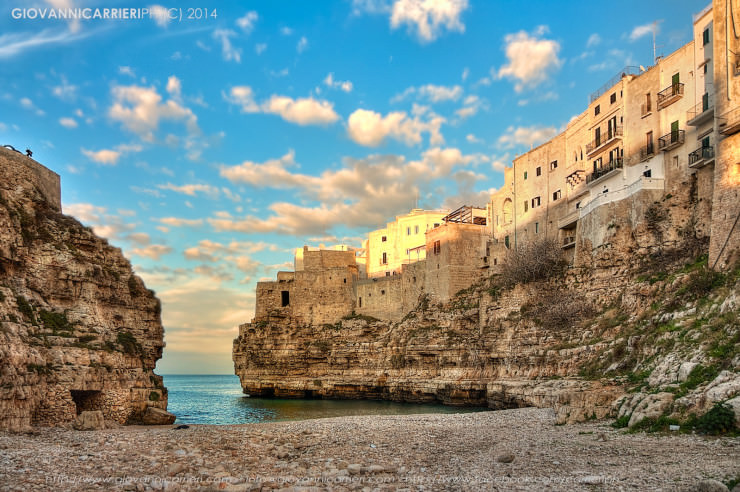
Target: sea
218,399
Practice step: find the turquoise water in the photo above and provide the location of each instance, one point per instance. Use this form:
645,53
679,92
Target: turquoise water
219,400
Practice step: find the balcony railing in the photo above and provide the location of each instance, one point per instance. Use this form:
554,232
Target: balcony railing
569,242
729,122
647,152
603,171
671,140
701,156
669,95
701,113
597,143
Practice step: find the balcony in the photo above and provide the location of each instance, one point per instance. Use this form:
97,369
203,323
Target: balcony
602,141
609,169
729,122
701,157
647,152
567,221
669,95
701,113
569,242
671,140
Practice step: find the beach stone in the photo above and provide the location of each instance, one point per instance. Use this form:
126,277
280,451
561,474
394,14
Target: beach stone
89,420
708,486
505,457
375,469
354,468
157,416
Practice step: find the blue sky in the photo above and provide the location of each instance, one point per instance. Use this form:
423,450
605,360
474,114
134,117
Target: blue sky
207,149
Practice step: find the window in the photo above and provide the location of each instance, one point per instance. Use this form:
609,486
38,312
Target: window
284,298
553,165
613,98
382,292
705,142
539,171
436,224
648,107
705,36
597,164
612,127
675,80
359,300
706,67
525,174
384,239
578,205
407,251
387,274
705,101
597,137
408,231
384,260
506,242
536,227
535,202
526,205
674,131
649,143
556,196
648,173
436,247
416,229
597,109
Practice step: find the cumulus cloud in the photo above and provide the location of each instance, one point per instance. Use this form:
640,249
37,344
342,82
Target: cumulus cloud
192,189
103,223
68,122
370,128
302,111
531,58
153,251
247,21
140,109
364,193
526,136
178,222
228,51
471,105
643,30
344,85
427,19
110,157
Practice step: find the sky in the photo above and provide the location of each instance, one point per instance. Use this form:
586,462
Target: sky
210,139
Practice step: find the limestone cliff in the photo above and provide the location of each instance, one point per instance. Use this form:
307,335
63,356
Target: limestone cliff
596,342
78,330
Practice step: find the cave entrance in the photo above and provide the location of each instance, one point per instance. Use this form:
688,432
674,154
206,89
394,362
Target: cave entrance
87,400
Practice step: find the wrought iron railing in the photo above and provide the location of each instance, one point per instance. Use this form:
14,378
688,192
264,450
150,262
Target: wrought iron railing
701,154
606,169
612,133
647,152
667,95
670,140
706,104
611,82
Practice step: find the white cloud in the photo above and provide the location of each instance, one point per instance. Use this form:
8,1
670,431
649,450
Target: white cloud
286,31
178,222
370,128
271,171
65,91
303,111
228,51
302,45
593,40
344,85
153,251
126,70
432,93
160,15
260,48
531,58
110,157
174,87
104,224
246,22
472,138
68,122
192,189
13,44
643,30
428,18
526,136
140,109
471,105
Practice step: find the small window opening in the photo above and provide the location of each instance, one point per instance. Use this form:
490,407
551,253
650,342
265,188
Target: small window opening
284,298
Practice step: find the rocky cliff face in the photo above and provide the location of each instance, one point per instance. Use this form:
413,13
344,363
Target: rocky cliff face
597,342
78,330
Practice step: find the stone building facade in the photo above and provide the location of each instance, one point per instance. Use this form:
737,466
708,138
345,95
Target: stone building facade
665,138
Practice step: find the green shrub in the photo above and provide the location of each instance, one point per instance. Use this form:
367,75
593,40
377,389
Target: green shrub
719,420
86,338
621,422
128,343
55,321
154,396
25,308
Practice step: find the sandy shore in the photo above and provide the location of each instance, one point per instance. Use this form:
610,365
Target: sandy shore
506,450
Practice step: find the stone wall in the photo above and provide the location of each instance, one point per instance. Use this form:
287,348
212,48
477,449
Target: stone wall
381,297
33,173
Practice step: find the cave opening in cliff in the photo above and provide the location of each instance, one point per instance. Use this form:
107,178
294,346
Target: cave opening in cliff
87,400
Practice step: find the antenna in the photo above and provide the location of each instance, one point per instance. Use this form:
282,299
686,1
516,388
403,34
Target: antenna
655,28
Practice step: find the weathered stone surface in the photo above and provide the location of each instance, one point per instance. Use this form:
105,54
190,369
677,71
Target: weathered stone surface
78,330
89,420
734,403
157,416
652,406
